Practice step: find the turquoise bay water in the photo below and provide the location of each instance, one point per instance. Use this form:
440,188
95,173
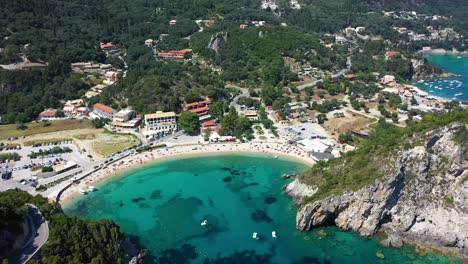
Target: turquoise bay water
163,204
449,87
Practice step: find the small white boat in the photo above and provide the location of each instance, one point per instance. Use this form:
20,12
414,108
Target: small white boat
82,191
276,156
458,94
273,234
204,223
255,235
91,188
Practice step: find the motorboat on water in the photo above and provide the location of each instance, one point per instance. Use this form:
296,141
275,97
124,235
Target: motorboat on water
276,156
92,188
273,234
83,191
255,235
458,94
204,223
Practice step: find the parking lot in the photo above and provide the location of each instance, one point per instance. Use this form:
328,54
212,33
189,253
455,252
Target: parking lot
22,169
302,130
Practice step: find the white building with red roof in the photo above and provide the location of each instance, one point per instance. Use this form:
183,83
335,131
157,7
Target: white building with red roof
104,111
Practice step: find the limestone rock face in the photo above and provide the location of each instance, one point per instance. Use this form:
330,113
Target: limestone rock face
218,41
297,190
425,201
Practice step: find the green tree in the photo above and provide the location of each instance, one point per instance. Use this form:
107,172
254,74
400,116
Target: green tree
321,118
217,109
189,122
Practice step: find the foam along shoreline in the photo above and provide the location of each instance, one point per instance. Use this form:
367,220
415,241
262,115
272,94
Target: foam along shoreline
156,155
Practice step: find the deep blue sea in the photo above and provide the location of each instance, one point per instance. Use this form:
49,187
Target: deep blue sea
452,88
163,205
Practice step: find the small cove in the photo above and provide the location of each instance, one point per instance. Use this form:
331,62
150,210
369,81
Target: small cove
163,204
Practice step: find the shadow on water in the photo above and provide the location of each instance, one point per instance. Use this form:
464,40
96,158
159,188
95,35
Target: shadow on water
270,200
137,200
247,257
156,194
185,254
261,216
311,260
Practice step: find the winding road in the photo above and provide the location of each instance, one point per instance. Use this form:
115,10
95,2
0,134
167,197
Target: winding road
39,235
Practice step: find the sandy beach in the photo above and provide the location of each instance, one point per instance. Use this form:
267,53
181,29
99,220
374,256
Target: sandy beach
148,157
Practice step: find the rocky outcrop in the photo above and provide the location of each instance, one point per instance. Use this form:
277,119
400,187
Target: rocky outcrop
423,69
424,201
218,41
298,190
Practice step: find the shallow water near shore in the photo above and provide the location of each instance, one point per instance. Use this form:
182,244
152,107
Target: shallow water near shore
163,204
451,88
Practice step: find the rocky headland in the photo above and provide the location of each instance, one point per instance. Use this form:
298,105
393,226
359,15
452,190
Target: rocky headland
421,197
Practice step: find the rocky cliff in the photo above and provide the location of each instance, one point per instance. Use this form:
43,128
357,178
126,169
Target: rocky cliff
423,69
424,200
218,41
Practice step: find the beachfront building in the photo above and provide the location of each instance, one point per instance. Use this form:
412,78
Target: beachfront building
160,124
201,108
103,111
209,125
318,149
125,119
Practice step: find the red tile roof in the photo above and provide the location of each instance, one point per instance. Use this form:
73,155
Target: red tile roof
107,45
391,53
47,114
206,101
103,108
200,109
350,76
209,123
175,52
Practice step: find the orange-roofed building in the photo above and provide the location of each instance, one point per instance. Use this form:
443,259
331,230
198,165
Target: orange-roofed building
201,111
391,53
174,54
108,45
211,125
104,111
198,104
350,76
49,113
243,26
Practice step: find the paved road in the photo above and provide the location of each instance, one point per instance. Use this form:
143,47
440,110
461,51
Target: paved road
40,234
335,75
244,93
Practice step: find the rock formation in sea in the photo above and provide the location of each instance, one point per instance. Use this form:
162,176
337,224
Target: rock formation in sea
423,199
423,69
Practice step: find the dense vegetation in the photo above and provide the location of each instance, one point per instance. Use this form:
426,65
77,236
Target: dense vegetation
358,168
71,240
61,32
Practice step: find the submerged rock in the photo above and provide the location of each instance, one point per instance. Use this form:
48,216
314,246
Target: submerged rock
227,179
261,216
270,200
137,200
393,241
380,255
